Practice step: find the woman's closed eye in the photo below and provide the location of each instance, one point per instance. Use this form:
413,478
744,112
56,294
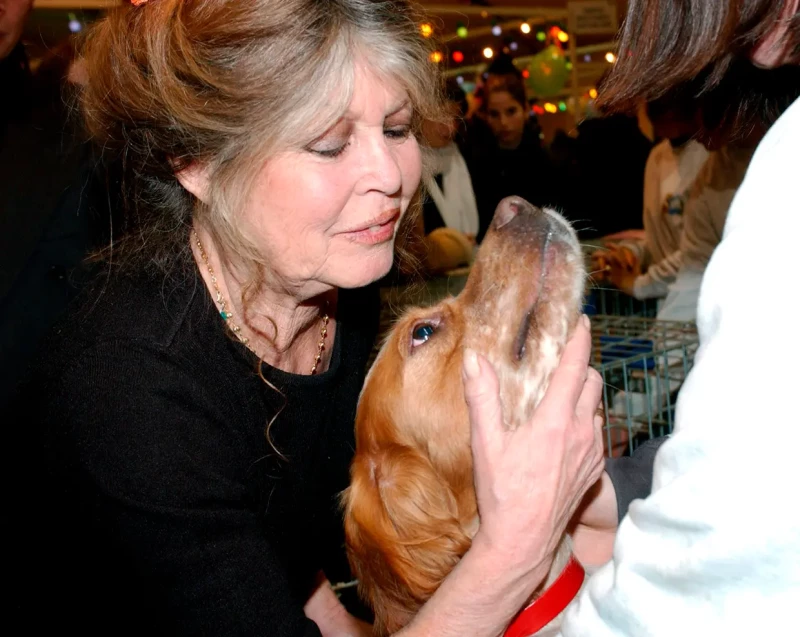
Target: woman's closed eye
332,150
397,132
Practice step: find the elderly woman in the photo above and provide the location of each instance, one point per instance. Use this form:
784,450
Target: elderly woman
195,412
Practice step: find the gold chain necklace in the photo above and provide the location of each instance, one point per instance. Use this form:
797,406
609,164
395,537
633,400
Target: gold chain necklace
237,331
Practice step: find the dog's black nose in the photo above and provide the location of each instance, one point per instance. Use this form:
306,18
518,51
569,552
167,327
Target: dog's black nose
507,209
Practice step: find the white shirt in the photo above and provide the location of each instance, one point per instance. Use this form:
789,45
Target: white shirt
456,199
715,549
669,176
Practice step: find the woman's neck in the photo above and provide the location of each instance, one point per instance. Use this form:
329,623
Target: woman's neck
283,326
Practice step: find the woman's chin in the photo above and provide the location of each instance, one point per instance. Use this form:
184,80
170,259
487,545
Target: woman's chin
364,272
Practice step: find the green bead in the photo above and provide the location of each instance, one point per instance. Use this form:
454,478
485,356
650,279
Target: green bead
225,315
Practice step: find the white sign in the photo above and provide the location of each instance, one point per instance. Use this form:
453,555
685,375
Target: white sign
592,17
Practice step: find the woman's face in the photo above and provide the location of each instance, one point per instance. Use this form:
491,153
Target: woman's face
506,116
327,215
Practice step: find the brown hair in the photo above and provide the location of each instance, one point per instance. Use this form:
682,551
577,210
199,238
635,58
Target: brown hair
228,83
512,85
702,43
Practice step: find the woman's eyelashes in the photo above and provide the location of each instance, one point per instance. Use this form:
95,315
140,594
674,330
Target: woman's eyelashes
331,152
398,132
332,149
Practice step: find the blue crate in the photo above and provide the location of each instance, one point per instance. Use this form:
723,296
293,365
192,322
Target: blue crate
618,348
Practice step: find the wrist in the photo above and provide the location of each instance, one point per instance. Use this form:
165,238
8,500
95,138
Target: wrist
508,564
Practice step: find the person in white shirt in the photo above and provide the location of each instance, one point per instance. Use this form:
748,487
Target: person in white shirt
715,548
704,221
449,222
652,262
672,167
713,545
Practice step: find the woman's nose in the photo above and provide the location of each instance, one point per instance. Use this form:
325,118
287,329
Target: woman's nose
381,167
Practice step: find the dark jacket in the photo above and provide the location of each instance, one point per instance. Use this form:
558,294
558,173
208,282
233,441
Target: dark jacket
53,209
525,171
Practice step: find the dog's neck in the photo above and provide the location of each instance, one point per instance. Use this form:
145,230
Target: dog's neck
545,608
562,557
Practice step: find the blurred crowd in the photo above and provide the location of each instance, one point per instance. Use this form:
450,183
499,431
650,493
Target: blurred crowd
649,205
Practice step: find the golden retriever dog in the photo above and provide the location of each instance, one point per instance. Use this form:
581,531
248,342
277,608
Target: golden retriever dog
410,510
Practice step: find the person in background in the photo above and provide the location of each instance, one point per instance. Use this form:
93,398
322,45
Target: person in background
53,199
709,200
514,162
610,154
449,222
644,269
479,136
676,280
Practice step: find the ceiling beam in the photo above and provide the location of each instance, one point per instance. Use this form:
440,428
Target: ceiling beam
456,9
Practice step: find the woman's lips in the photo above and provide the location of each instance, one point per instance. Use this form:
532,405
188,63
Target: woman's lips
380,231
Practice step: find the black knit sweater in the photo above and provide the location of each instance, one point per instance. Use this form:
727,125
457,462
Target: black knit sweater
149,499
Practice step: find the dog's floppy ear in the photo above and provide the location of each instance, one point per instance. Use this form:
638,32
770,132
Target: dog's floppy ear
403,532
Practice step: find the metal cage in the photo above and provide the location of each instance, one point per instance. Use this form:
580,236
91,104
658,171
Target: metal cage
643,363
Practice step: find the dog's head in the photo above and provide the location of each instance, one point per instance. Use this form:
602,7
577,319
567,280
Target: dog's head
410,509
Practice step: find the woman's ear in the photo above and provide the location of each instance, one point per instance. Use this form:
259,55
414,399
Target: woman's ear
195,179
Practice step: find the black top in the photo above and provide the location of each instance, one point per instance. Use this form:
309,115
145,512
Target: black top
525,171
54,206
158,505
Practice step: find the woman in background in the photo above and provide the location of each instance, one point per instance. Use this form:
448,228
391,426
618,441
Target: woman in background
449,220
513,162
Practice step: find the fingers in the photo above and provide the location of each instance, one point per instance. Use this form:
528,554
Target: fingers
570,375
589,398
482,393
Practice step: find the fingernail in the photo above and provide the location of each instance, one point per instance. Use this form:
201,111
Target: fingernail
471,366
586,323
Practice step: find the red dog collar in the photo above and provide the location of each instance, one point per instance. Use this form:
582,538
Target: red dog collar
549,605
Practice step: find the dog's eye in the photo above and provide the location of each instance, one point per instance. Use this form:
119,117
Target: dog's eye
421,333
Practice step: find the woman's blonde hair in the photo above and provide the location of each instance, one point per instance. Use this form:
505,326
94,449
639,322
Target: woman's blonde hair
227,84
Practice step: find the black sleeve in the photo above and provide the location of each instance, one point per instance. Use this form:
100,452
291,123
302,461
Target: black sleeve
632,476
146,521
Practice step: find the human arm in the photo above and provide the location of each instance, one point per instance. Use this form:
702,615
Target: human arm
624,480
529,482
655,282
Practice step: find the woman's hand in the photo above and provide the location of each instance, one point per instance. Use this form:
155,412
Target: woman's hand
530,481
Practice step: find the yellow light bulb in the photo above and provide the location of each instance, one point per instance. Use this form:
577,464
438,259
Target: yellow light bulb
550,107
525,27
611,58
426,30
436,57
593,93
563,36
488,53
